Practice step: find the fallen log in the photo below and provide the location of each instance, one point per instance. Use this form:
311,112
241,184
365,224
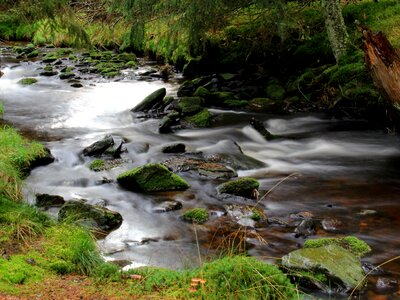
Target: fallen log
383,62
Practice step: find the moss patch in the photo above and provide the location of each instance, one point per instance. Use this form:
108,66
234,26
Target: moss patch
201,119
97,165
27,81
351,243
196,215
151,177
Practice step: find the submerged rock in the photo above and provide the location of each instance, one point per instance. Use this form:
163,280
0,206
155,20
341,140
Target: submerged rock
259,126
99,147
202,167
244,215
245,187
151,100
330,267
151,177
95,217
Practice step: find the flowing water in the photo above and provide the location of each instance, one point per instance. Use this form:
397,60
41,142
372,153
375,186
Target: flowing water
338,169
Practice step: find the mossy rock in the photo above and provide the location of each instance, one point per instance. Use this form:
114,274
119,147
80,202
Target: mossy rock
202,119
66,75
151,100
243,187
33,54
196,215
351,243
49,58
189,106
27,81
96,217
46,200
152,177
202,92
218,98
275,91
341,268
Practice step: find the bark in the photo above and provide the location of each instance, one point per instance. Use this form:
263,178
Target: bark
383,62
335,27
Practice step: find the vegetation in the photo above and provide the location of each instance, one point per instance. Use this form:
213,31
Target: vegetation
97,165
27,81
351,243
196,215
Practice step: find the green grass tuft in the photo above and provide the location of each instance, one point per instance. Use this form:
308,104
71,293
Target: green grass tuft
196,215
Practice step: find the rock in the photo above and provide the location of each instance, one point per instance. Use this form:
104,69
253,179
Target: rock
189,87
202,92
48,73
196,215
99,147
152,177
332,225
259,126
100,218
244,187
151,100
218,98
202,167
104,180
46,200
67,75
189,106
49,58
167,206
305,228
329,267
174,148
370,269
244,215
76,85
351,243
27,81
385,285
43,159
199,120
275,91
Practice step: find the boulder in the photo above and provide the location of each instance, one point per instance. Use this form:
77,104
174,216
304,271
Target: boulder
201,166
46,200
96,217
152,177
245,187
330,267
200,120
151,100
189,106
99,147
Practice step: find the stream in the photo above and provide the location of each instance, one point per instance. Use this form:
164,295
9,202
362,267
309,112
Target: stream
341,170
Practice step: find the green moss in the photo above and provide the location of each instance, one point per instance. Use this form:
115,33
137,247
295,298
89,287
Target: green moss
18,270
351,243
27,81
151,177
97,165
201,119
345,73
190,105
241,187
196,215
275,91
202,92
256,215
241,277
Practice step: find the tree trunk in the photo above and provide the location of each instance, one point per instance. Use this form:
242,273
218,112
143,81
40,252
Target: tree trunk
383,62
335,27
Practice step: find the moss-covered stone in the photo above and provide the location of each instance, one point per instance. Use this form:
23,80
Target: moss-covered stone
202,92
351,243
275,91
190,105
151,100
27,81
236,103
49,58
95,217
342,268
33,54
201,119
196,215
243,187
218,98
151,177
